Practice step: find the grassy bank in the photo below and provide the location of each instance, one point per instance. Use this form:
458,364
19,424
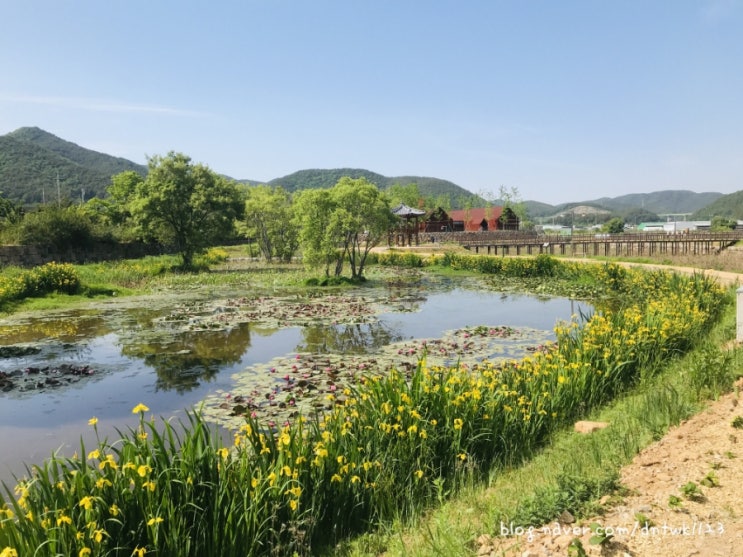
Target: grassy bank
574,472
393,448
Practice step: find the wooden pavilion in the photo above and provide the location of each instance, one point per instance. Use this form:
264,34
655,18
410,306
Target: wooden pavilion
407,227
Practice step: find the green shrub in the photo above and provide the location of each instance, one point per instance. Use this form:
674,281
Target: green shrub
59,227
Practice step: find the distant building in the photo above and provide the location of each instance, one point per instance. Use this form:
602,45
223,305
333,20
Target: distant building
674,227
484,219
438,221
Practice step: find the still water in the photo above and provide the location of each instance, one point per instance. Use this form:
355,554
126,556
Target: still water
138,353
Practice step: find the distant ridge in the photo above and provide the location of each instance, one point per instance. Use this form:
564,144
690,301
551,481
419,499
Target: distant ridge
34,163
428,187
667,201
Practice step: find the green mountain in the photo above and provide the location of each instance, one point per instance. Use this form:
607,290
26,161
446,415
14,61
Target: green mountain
661,202
428,187
658,203
37,166
728,206
327,178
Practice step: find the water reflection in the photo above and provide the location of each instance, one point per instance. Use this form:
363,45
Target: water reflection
355,338
140,356
63,327
190,357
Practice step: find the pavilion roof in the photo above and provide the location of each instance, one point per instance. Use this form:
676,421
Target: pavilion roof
403,210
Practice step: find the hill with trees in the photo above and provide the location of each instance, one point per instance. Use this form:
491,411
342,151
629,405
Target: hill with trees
446,193
666,201
36,166
728,206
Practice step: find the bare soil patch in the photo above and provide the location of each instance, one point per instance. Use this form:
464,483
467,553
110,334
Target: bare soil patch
660,515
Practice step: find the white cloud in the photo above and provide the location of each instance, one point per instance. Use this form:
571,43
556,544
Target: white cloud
99,105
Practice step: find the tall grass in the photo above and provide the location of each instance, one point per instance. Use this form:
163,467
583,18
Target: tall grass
391,447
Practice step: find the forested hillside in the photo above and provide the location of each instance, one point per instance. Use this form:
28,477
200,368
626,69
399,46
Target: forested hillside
666,201
36,166
434,188
728,206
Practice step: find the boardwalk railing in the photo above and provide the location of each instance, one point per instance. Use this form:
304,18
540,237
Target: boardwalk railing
636,244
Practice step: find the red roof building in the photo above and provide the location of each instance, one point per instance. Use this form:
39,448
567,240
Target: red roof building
484,218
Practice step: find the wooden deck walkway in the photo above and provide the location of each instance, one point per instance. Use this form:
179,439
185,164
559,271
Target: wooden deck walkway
643,244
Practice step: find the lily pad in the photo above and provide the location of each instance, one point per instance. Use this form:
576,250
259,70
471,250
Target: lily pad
302,383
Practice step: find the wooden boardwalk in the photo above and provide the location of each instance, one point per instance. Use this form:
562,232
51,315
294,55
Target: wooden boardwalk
642,244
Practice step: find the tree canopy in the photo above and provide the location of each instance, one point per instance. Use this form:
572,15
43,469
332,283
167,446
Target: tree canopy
268,221
342,223
185,205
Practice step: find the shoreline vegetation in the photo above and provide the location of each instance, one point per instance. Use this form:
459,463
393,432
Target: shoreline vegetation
420,462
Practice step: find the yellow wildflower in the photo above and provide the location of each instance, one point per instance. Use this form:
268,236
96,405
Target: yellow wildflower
86,502
143,470
84,552
154,520
140,408
93,421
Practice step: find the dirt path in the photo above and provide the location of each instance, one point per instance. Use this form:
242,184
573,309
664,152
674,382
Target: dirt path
706,450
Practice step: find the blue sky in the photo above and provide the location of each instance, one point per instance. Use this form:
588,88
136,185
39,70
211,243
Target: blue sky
561,100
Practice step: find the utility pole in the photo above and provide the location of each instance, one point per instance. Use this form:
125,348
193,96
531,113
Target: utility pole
59,197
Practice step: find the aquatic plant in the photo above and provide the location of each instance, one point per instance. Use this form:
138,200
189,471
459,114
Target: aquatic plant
387,448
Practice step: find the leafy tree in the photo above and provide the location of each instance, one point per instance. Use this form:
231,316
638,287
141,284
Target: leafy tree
510,198
443,201
362,219
312,211
721,224
10,212
115,211
268,219
346,221
61,227
614,226
409,194
185,205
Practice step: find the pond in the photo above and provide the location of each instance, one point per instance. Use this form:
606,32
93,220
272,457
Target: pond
235,354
